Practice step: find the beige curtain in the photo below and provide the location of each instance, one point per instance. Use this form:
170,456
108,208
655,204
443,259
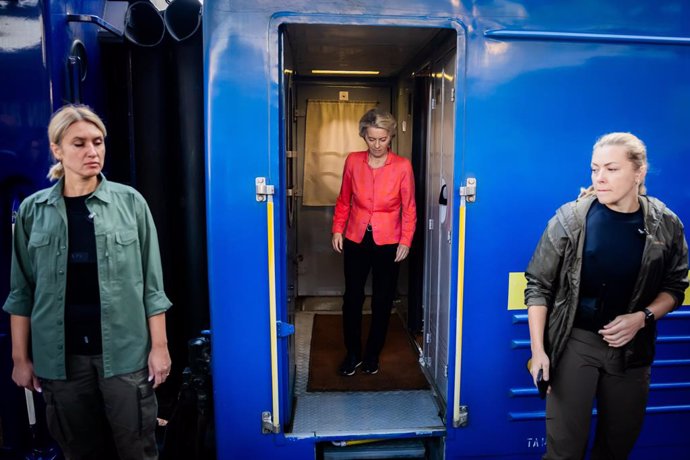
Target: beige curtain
332,132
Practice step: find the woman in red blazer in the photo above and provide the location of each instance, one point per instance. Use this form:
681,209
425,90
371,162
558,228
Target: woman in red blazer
374,221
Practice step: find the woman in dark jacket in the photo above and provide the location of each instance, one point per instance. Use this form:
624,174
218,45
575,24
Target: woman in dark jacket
607,267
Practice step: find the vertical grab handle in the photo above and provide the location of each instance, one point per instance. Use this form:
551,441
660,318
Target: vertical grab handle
459,413
275,390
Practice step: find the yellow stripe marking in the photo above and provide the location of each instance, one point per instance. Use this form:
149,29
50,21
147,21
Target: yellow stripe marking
516,291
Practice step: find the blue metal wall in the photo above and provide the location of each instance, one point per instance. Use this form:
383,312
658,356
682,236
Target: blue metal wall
529,113
24,108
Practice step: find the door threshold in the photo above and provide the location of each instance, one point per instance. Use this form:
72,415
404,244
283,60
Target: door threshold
366,414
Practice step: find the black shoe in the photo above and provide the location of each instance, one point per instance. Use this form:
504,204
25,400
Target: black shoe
370,366
349,365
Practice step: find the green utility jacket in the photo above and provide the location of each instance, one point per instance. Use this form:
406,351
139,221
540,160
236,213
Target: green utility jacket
553,274
129,272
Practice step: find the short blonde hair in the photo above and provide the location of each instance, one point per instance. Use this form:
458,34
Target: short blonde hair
635,149
61,120
376,118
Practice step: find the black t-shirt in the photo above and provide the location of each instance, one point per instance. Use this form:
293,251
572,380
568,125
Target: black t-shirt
82,299
614,242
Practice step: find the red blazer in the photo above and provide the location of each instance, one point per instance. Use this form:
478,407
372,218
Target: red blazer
382,197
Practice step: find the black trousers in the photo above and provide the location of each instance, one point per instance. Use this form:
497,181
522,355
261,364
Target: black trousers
360,258
590,369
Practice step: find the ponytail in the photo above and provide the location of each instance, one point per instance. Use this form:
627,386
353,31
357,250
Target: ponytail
56,172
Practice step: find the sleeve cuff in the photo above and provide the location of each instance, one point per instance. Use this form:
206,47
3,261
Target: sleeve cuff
18,305
156,303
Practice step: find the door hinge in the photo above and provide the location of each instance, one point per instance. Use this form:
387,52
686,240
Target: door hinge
469,190
431,224
452,95
284,329
445,371
263,190
433,103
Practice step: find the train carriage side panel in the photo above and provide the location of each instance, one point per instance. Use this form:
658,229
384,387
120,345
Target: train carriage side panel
535,105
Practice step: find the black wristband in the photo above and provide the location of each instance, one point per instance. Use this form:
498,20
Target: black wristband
648,316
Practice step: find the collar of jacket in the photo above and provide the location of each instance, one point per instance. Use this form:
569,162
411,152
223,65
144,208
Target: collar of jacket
573,215
102,191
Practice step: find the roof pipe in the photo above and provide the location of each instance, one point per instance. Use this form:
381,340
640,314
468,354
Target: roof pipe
183,18
144,24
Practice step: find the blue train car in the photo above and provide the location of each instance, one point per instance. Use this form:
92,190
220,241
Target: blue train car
499,104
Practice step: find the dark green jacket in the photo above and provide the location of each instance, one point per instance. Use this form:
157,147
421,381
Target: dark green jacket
553,274
129,273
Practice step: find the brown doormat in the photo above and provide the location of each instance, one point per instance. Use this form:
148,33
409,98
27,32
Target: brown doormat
398,363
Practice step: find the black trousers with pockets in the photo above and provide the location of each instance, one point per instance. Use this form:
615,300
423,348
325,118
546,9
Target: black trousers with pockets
90,416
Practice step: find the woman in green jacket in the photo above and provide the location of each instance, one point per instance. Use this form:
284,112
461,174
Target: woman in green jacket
87,290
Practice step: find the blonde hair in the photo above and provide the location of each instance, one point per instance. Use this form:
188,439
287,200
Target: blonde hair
376,118
61,120
635,149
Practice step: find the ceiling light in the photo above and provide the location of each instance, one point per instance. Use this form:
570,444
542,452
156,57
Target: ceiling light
346,72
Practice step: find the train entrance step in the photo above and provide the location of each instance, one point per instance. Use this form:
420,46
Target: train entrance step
380,450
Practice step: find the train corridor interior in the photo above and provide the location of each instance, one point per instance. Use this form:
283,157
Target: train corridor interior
324,78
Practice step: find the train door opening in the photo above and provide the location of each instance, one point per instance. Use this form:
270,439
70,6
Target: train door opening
408,71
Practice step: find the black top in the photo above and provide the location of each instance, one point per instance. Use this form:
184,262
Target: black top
614,242
82,299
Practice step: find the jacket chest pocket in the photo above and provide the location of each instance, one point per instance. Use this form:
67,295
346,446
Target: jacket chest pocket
44,257
126,259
